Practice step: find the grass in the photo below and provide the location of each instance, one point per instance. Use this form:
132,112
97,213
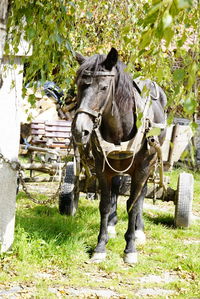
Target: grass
53,251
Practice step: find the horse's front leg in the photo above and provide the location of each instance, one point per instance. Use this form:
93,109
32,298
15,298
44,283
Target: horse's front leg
104,208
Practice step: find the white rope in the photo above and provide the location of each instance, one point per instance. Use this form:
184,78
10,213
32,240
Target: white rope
113,169
137,143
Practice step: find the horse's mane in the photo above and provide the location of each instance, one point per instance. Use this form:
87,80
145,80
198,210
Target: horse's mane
124,91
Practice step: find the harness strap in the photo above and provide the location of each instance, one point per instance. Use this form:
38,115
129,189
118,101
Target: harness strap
134,144
137,87
154,97
151,125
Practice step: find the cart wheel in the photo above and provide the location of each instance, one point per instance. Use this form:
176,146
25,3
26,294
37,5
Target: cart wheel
184,197
69,194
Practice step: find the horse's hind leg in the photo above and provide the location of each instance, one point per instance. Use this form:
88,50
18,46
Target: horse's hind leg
130,253
135,222
140,237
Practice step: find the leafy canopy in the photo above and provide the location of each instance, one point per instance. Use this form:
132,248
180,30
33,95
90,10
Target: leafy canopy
157,39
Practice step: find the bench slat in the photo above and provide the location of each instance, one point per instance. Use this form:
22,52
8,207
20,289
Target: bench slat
37,126
60,123
38,132
58,129
57,134
38,122
53,145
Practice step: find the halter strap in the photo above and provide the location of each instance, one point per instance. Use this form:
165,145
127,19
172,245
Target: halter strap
98,114
98,74
88,111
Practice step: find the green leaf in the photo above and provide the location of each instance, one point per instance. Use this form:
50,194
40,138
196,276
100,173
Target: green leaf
155,7
179,74
174,9
69,47
58,38
182,4
159,30
139,119
160,73
192,71
190,105
168,35
150,19
31,99
167,20
145,39
182,40
194,126
145,92
153,132
89,14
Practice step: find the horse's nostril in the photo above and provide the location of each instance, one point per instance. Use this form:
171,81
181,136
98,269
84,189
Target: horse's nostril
85,133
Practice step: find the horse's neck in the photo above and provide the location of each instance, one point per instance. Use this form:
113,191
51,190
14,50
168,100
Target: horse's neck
111,128
116,125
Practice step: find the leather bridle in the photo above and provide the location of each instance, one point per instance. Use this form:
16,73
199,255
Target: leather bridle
98,114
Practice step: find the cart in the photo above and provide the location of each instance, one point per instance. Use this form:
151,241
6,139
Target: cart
177,139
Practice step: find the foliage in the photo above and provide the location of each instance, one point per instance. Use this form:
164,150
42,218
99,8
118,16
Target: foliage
46,25
157,39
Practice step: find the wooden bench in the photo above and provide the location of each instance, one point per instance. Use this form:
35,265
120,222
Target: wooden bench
50,140
51,134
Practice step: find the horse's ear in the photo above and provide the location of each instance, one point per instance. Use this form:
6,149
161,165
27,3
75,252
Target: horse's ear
80,58
111,59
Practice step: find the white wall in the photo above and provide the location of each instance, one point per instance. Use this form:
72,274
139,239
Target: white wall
10,98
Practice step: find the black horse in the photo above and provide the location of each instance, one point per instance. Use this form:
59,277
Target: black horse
113,117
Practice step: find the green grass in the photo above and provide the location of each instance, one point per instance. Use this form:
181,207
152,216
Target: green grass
46,242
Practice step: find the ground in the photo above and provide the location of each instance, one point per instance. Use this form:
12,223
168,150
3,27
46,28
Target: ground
105,281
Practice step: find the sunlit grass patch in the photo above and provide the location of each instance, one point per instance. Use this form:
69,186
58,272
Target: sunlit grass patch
52,250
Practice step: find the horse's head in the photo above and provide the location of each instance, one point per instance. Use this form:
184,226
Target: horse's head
95,84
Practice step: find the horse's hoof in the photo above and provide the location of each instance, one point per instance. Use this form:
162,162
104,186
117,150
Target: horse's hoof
98,257
130,258
111,231
140,237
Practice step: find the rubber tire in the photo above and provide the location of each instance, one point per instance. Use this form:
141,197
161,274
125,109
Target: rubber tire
184,198
69,194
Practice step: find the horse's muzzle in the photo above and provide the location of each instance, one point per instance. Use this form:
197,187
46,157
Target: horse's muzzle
82,128
81,138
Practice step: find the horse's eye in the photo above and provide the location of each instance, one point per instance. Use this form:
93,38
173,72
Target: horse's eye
85,85
103,88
